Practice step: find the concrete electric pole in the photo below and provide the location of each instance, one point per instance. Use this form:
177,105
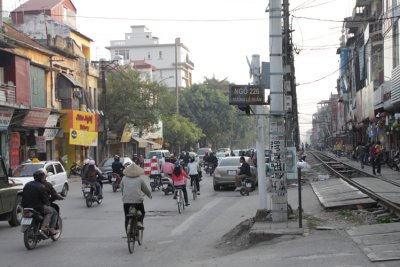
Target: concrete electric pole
276,186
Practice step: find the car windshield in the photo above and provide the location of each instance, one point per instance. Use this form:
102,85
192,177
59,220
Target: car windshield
107,162
202,151
154,153
231,161
27,170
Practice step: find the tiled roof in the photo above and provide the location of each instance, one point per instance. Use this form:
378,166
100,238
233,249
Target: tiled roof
14,34
33,5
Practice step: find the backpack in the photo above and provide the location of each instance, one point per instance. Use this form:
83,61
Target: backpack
377,151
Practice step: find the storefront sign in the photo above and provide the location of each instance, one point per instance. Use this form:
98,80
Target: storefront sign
84,121
52,120
41,144
50,134
82,138
15,144
36,117
5,118
127,133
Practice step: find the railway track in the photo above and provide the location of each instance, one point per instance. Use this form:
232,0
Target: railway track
349,174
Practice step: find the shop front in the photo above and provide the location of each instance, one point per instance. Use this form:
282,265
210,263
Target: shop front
80,136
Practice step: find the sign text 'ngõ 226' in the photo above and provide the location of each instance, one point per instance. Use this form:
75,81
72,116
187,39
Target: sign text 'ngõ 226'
246,94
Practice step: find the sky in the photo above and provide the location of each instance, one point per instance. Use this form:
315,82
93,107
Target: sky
220,34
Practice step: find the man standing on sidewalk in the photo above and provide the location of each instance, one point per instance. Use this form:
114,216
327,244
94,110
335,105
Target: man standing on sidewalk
378,156
360,154
371,157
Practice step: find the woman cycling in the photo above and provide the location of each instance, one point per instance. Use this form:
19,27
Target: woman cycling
194,168
179,178
133,189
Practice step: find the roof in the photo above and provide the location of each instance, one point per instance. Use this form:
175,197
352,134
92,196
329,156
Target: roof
23,39
142,64
34,5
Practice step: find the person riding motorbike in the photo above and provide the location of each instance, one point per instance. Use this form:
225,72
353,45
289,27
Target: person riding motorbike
36,197
85,168
117,166
213,162
167,167
244,171
133,189
92,176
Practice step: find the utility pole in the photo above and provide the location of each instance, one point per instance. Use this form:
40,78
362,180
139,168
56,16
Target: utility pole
276,185
260,146
103,85
177,41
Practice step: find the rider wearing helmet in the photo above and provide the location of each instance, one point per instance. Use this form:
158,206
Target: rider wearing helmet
117,166
35,196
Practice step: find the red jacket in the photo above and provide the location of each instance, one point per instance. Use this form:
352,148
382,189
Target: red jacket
181,179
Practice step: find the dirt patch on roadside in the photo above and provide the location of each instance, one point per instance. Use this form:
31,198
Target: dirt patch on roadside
238,238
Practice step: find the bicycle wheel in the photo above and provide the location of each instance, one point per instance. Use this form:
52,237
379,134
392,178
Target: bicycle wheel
131,235
139,236
179,202
194,190
182,203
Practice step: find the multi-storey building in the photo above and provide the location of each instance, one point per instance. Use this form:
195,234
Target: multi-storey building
173,66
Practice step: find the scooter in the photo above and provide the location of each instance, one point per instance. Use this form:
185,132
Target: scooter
167,186
155,181
31,223
115,181
247,186
90,194
75,169
396,161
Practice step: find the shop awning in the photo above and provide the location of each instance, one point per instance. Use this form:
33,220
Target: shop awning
142,143
72,80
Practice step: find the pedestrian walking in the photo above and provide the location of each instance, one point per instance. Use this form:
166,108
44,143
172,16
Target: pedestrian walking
371,157
360,154
378,157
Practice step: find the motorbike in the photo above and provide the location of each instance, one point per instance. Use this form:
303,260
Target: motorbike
207,167
75,169
155,181
31,223
247,186
167,185
115,181
90,194
395,162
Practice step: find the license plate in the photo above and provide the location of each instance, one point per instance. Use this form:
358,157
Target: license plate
26,221
86,189
113,179
165,186
232,172
248,184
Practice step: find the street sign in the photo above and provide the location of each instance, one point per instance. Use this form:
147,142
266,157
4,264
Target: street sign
246,94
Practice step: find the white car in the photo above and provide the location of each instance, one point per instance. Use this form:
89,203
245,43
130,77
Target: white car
56,174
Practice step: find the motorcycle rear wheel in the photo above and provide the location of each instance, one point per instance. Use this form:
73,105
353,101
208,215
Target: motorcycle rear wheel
244,192
30,237
89,200
114,186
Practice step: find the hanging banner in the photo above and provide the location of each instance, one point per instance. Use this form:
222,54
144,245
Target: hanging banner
5,118
82,138
40,144
127,133
50,134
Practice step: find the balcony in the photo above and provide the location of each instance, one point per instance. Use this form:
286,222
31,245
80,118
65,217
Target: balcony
7,94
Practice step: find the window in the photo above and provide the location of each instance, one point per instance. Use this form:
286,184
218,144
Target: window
396,44
148,55
49,168
123,53
59,168
160,54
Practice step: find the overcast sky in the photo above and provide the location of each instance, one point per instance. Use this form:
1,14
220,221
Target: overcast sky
220,34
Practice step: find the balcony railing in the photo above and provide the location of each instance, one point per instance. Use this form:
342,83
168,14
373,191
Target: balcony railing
7,93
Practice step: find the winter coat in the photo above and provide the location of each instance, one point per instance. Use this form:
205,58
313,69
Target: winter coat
133,185
181,179
34,196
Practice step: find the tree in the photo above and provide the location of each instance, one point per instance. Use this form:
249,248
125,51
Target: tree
179,132
131,100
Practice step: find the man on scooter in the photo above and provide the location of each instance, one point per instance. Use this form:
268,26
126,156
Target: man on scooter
244,171
117,166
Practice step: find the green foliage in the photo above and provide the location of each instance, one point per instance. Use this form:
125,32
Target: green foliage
130,100
179,131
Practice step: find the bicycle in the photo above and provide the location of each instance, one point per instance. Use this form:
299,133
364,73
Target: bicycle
133,233
179,199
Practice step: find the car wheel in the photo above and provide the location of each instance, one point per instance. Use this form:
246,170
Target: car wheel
16,215
64,191
216,188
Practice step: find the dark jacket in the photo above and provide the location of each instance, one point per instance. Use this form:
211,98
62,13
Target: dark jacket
34,196
245,169
51,192
117,168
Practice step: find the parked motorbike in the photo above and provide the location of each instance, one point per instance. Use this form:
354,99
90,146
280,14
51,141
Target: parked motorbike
115,181
247,186
395,162
90,194
75,169
32,222
167,185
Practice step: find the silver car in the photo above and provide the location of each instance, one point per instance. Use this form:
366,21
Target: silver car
228,167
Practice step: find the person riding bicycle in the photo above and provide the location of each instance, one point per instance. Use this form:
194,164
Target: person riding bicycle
133,189
244,171
117,166
179,178
36,197
93,176
193,172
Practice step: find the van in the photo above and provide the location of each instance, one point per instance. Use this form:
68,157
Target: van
160,154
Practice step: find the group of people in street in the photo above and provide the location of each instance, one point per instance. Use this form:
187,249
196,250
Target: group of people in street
372,153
